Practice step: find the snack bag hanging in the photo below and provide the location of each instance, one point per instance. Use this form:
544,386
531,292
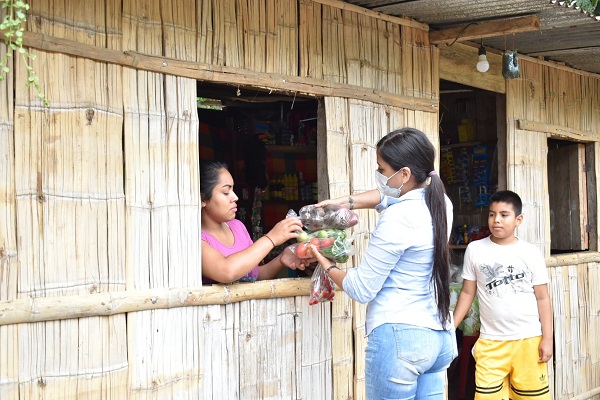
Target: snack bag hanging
321,287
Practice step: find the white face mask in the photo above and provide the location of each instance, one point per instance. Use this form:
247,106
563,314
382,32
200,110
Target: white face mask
382,186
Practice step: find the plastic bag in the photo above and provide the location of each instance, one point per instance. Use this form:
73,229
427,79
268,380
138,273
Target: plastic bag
338,249
330,233
321,287
510,65
330,216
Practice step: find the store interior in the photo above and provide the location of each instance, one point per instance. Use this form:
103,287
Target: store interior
469,153
269,142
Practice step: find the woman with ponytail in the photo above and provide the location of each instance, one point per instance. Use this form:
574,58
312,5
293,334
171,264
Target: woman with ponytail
404,275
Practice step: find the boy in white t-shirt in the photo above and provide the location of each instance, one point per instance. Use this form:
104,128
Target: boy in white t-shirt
509,275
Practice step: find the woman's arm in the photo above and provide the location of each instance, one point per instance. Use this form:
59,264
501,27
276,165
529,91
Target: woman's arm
224,269
368,199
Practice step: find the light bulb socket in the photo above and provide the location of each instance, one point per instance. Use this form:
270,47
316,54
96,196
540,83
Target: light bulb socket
482,51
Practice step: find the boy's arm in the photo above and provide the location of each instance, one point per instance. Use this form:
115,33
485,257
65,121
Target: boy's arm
465,299
545,310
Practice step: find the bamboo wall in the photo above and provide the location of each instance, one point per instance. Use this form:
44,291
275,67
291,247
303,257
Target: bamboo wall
100,195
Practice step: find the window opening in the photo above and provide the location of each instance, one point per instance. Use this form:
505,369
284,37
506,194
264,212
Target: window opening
569,194
268,140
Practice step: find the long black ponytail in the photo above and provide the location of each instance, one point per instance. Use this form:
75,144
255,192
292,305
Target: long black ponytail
409,147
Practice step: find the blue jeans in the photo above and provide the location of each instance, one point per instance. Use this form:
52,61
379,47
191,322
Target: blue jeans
406,362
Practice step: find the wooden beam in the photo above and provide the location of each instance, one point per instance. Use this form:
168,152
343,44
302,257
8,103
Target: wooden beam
373,14
37,309
457,64
481,30
226,75
556,131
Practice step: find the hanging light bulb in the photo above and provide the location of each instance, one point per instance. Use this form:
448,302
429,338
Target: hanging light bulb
482,65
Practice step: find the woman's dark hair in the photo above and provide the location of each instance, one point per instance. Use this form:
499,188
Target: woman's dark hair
409,147
209,177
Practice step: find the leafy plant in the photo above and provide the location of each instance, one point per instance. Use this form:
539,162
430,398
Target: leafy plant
13,27
591,6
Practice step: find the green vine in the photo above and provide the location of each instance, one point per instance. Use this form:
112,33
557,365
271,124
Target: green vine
13,27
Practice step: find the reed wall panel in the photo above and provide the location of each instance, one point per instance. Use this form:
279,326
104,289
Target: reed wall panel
68,210
526,154
310,39
163,206
575,305
9,354
365,51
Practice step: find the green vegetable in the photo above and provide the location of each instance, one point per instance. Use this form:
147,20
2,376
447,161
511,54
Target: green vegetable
338,251
304,237
322,234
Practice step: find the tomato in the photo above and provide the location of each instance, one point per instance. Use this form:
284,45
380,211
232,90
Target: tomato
322,234
301,250
315,242
326,242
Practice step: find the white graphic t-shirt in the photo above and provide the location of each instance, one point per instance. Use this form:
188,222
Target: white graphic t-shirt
505,276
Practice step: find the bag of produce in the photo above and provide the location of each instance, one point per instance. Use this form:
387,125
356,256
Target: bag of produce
330,216
332,243
321,287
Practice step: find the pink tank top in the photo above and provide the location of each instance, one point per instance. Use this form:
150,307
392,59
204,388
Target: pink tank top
241,242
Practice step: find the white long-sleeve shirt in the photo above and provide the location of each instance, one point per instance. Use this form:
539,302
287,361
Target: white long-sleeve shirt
394,276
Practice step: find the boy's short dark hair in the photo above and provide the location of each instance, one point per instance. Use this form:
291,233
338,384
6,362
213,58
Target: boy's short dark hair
508,197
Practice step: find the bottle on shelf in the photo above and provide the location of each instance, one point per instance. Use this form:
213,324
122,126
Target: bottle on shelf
301,186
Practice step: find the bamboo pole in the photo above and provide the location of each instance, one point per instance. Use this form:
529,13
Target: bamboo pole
36,309
373,14
587,395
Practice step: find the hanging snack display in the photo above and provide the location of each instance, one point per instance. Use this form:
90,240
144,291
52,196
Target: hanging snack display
462,173
481,175
447,165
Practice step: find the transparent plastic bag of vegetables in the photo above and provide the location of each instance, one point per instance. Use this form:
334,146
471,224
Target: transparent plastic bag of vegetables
321,287
339,251
332,243
330,216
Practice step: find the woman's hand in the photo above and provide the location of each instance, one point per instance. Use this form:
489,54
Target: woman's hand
340,201
320,258
284,230
290,260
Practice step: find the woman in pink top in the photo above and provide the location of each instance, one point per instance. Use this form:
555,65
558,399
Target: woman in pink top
228,253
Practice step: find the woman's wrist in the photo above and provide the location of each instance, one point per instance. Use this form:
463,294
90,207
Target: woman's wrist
269,239
331,267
